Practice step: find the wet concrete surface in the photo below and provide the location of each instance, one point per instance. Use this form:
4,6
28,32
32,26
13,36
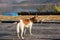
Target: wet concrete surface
48,31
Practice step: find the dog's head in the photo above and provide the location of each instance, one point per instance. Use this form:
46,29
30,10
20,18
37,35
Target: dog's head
34,19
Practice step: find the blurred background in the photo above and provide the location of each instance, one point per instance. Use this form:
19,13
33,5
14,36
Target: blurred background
17,7
29,5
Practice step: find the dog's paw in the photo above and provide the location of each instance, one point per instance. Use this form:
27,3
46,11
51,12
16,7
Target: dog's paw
22,37
31,34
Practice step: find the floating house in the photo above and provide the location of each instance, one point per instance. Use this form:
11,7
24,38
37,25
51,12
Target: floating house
10,13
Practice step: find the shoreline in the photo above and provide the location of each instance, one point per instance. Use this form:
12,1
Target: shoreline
47,17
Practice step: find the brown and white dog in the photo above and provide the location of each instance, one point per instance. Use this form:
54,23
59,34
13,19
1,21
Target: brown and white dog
28,22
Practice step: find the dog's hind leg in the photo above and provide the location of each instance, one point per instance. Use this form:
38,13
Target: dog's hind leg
18,35
18,28
22,31
30,29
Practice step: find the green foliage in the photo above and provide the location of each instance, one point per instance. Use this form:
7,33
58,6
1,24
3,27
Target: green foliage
39,9
57,8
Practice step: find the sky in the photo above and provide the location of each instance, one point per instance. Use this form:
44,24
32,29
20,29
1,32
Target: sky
23,5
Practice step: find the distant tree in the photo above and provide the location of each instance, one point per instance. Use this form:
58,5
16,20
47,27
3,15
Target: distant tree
57,8
39,9
29,13
47,7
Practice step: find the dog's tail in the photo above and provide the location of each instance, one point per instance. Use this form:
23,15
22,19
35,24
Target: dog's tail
16,22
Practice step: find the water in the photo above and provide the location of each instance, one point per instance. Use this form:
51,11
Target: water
40,32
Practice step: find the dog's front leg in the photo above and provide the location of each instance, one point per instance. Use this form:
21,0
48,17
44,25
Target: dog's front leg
30,29
22,31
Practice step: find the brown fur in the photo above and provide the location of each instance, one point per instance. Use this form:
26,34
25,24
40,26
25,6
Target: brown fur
26,21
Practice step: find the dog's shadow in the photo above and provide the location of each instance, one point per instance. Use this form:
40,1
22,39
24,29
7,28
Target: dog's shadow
55,39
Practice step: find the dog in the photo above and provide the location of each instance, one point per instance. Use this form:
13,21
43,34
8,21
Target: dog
28,22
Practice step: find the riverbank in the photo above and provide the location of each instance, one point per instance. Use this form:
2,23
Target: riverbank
46,17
